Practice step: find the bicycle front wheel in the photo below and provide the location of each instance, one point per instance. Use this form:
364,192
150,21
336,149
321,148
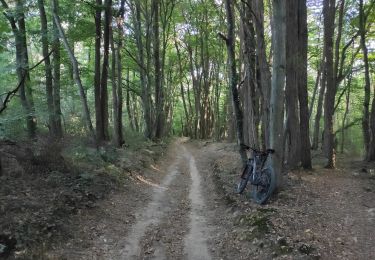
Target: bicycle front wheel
263,191
244,178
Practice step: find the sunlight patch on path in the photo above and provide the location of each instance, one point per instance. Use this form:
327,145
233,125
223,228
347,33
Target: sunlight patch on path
195,241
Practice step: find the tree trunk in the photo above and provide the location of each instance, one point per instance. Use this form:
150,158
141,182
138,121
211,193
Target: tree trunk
249,91
117,86
319,110
291,90
104,76
368,134
264,70
329,102
22,61
136,10
47,68
77,78
128,107
277,88
233,77
159,95
316,87
302,85
182,91
346,112
56,59
97,72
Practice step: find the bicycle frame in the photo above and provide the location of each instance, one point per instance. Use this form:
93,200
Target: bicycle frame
259,158
261,177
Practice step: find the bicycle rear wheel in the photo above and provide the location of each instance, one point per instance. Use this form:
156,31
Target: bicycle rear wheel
244,178
263,191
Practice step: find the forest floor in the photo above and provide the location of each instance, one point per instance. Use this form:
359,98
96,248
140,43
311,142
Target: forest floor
183,206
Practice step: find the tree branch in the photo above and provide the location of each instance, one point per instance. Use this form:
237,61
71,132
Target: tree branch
223,37
351,124
13,92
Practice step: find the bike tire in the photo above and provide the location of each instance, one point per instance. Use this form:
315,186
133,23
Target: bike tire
244,178
261,193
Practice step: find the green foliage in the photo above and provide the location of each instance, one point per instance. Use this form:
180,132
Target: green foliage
193,25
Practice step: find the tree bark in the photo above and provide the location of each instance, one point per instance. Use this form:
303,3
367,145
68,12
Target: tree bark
104,76
56,59
159,93
302,86
367,132
368,129
264,68
250,95
291,91
345,113
316,87
146,103
47,68
182,91
97,72
233,78
319,110
116,90
329,102
277,89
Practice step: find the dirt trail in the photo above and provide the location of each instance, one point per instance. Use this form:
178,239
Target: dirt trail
185,209
148,238
149,216
195,242
165,219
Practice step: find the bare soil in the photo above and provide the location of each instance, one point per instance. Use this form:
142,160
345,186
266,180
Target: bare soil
183,206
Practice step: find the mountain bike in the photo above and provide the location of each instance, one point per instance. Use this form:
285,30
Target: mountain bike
262,177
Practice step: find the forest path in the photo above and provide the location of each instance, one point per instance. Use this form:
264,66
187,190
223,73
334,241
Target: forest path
171,217
184,208
161,216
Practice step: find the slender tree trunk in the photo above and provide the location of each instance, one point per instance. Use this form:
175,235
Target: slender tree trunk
97,72
231,122
135,112
319,111
345,113
56,59
302,85
117,85
128,107
116,101
143,73
159,95
316,87
77,78
31,119
277,89
104,76
47,68
233,77
329,102
182,91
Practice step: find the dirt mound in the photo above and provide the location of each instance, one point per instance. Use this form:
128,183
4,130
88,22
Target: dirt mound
45,184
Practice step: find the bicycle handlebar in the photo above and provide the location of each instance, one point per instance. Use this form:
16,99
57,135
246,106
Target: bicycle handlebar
268,151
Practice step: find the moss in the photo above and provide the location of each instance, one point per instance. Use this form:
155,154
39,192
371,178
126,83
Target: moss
306,249
258,224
